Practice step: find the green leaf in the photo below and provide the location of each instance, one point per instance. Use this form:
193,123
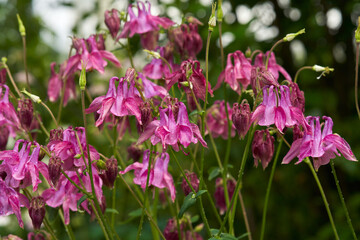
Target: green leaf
243,235
111,210
199,193
223,236
194,219
83,198
136,213
214,172
195,112
188,202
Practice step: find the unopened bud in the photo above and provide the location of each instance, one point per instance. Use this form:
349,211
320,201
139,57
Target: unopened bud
41,155
25,111
4,60
82,79
194,181
297,97
3,76
111,171
262,147
153,54
77,156
33,97
297,132
56,135
4,136
54,169
248,52
21,26
357,32
100,164
130,74
134,152
289,37
112,21
37,211
220,13
212,19
145,111
318,68
241,118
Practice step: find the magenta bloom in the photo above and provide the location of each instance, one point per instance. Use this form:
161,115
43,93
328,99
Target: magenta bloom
216,120
277,109
273,67
172,132
157,69
21,168
8,115
122,102
151,89
190,73
320,145
237,73
11,201
159,176
144,22
112,21
89,55
67,147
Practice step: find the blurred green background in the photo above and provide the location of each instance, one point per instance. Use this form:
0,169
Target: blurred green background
296,209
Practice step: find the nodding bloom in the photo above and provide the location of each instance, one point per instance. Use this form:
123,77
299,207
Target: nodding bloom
120,102
159,175
11,201
237,75
297,96
151,89
262,147
144,22
67,195
219,194
273,67
89,55
56,83
8,115
277,109
190,77
173,128
68,147
157,68
22,169
241,117
112,21
321,145
2,76
217,122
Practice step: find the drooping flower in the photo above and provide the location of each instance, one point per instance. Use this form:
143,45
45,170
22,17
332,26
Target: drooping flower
219,194
321,145
37,211
21,168
149,40
90,56
151,89
194,181
172,130
260,77
217,122
68,147
159,176
241,117
144,22
122,102
8,116
277,109
262,147
157,68
25,110
112,21
188,77
237,73
273,67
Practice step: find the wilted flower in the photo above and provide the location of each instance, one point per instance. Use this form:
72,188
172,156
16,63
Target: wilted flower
320,145
54,169
241,118
217,122
112,21
297,97
220,193
273,67
37,211
2,76
194,181
25,110
262,147
172,131
159,176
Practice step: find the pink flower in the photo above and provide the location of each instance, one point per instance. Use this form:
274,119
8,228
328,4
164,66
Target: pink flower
89,55
320,145
190,74
159,176
172,132
56,83
151,89
216,120
8,115
21,168
278,110
157,69
273,67
68,147
122,102
239,73
262,147
144,22
112,21
11,201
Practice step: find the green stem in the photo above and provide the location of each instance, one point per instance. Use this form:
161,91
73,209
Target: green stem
341,196
42,125
25,62
307,161
221,45
113,205
49,228
12,81
50,112
301,69
68,228
356,79
129,53
245,215
268,190
271,50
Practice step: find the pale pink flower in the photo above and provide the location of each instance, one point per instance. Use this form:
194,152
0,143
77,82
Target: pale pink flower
8,115
217,122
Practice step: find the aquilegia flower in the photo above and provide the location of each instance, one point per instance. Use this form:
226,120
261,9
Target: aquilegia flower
262,147
277,109
320,145
8,116
159,176
172,129
217,122
273,67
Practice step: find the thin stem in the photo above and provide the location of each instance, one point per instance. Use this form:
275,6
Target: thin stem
129,53
254,53
268,190
341,196
228,149
356,79
25,63
271,50
113,204
299,70
307,161
50,112
76,185
68,228
42,125
245,215
12,81
49,228
221,45
207,78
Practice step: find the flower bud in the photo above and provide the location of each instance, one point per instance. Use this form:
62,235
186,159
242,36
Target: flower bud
212,19
297,97
4,135
82,79
111,171
357,32
25,112
130,74
37,236
37,211
112,21
21,26
262,147
194,181
289,37
241,116
33,97
54,169
56,135
171,231
145,111
134,152
220,194
149,40
3,76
